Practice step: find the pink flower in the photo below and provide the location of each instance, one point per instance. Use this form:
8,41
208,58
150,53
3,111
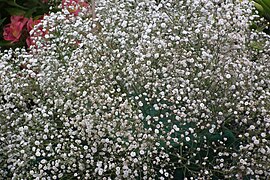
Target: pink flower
21,19
30,25
29,42
74,6
13,30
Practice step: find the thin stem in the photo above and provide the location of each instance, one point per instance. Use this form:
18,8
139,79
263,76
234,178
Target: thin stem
93,9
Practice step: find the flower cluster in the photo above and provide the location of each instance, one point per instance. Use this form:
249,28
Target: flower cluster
146,90
19,28
74,6
71,7
16,29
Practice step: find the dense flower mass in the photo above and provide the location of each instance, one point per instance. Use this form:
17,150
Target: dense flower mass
147,90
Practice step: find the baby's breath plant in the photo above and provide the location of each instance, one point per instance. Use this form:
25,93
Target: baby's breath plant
146,90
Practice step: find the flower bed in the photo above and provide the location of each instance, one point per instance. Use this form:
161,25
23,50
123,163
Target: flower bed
144,90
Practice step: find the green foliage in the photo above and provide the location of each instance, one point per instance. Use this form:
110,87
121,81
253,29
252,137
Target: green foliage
29,7
263,7
188,167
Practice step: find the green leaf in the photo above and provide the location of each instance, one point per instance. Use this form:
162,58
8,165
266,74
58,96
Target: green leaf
257,45
259,7
13,3
266,2
37,17
29,13
265,7
214,137
179,174
2,20
5,43
230,136
15,11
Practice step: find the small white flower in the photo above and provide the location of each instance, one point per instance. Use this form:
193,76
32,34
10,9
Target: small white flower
144,167
38,153
132,154
163,25
256,142
228,76
263,134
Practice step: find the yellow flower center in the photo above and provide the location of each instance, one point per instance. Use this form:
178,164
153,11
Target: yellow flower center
15,33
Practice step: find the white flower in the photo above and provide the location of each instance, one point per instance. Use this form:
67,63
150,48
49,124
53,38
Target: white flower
187,138
145,81
132,154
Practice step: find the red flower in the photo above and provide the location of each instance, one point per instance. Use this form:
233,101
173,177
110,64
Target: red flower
14,19
74,6
29,42
12,31
30,25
